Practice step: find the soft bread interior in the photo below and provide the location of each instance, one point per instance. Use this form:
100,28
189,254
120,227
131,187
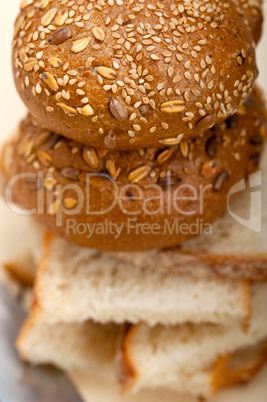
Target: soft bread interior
155,357
88,284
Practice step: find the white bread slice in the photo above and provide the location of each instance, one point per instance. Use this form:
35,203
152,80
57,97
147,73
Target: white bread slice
74,284
91,347
87,346
94,388
231,251
155,357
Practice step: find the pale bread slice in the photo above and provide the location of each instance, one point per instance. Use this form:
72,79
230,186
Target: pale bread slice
89,348
232,251
86,346
75,284
94,388
154,357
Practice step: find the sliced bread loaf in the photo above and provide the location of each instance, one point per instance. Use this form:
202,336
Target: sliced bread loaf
156,357
87,346
74,284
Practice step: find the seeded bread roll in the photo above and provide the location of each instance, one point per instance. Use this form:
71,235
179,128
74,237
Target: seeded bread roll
130,74
133,200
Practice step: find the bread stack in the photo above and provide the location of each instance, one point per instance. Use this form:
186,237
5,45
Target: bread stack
144,123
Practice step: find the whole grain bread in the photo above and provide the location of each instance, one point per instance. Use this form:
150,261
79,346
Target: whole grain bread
136,200
132,75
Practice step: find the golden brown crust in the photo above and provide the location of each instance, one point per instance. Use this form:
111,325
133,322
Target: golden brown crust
145,185
20,274
127,374
133,75
228,370
217,372
244,365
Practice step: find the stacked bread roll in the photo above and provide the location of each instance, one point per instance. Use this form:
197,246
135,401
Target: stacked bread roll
155,98
143,119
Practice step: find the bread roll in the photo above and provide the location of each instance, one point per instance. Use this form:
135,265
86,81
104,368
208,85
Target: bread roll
134,200
128,75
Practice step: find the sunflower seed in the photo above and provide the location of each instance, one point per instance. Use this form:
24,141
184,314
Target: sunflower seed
118,109
30,64
60,36
165,155
211,147
61,17
106,72
206,122
174,106
55,62
220,181
49,80
67,109
48,17
87,110
98,33
138,174
90,157
44,157
79,45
